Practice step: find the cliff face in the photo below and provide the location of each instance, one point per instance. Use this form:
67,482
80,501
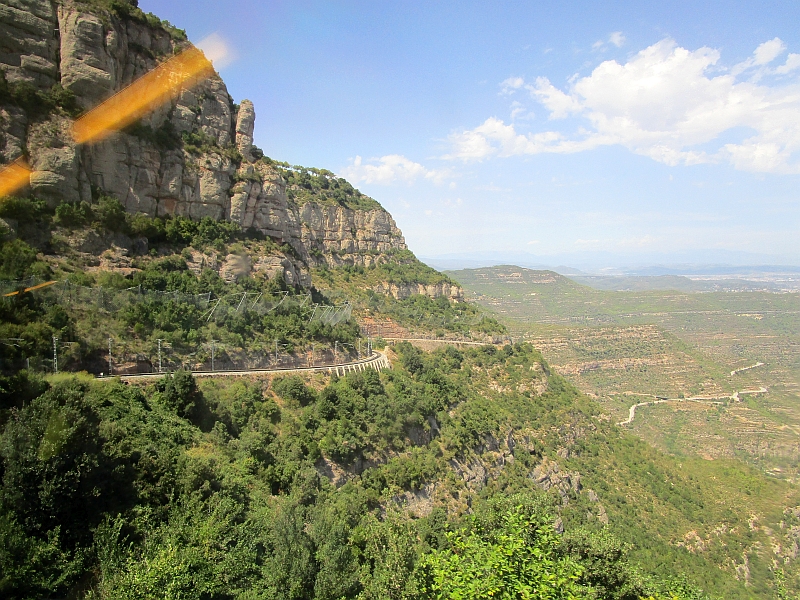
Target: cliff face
192,157
401,291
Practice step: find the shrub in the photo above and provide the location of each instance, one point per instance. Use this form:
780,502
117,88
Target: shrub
16,258
293,389
25,210
110,213
35,102
74,214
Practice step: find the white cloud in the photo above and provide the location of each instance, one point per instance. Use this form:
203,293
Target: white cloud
769,51
666,102
762,56
510,85
616,38
391,168
792,63
557,102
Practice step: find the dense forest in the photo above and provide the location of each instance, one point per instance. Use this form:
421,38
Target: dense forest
213,489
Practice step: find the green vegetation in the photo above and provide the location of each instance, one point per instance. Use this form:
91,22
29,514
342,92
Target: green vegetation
198,143
213,489
37,103
367,287
626,347
401,268
165,299
307,184
125,9
165,137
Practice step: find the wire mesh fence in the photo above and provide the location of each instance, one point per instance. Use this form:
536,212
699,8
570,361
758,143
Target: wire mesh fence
113,300
151,356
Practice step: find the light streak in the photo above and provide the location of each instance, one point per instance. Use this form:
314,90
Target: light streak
30,289
14,176
148,92
127,106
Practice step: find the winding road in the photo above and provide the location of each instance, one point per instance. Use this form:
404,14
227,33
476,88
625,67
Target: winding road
700,399
735,371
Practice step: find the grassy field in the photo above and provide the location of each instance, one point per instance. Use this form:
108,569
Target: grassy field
625,347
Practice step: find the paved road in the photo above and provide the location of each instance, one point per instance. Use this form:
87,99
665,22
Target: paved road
701,399
735,371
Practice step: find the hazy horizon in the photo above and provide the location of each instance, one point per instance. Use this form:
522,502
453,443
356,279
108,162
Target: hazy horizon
703,262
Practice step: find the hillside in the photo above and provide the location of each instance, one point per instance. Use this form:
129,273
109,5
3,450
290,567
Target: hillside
475,470
628,347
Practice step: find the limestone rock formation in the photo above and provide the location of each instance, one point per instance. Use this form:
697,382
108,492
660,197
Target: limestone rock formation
401,291
193,156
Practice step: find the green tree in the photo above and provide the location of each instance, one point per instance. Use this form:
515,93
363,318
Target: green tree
517,559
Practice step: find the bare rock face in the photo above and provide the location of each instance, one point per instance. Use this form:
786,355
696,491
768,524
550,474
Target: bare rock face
404,290
192,156
13,131
245,123
54,158
29,46
548,475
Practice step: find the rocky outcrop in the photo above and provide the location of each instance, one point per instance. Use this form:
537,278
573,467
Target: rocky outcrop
320,233
401,291
30,43
234,266
193,156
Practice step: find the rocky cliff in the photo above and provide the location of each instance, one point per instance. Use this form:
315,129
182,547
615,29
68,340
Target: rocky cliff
193,157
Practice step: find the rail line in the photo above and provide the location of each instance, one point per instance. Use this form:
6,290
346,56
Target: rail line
377,361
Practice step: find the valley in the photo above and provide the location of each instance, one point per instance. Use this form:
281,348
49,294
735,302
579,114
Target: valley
629,347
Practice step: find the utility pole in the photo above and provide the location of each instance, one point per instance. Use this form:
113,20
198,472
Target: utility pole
55,354
212,353
276,351
359,348
159,354
110,363
336,352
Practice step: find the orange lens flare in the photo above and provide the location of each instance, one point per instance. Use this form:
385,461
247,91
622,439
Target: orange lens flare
14,176
145,94
30,289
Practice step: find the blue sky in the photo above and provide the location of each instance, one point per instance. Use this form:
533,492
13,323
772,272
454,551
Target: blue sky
626,129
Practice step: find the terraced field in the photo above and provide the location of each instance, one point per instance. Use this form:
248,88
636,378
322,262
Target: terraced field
626,347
